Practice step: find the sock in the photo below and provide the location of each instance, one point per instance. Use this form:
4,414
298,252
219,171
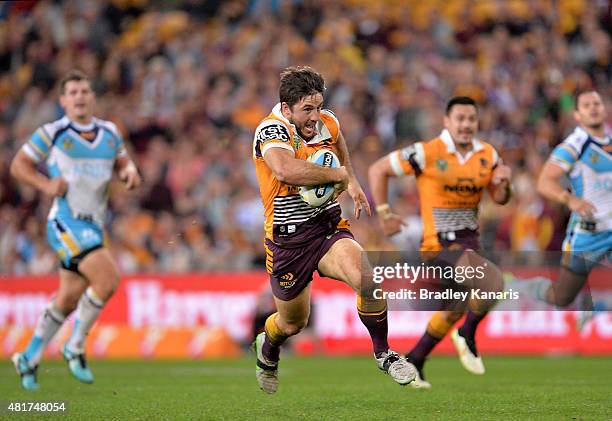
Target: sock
535,288
422,349
87,312
274,339
47,326
438,326
373,315
468,329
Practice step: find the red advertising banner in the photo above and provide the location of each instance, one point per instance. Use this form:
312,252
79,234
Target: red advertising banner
200,315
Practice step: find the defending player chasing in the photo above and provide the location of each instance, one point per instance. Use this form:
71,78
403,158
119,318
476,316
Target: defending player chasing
584,157
301,239
80,152
451,173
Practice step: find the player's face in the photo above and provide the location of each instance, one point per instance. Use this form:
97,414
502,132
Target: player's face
305,114
462,123
590,111
78,100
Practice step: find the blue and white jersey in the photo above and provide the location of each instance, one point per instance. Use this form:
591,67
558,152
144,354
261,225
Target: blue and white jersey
588,163
84,156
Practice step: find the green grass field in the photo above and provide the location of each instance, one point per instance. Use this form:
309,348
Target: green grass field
326,388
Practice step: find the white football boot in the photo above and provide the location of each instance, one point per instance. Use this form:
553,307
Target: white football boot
400,370
265,371
470,361
419,381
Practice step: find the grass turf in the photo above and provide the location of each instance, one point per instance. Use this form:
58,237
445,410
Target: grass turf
572,388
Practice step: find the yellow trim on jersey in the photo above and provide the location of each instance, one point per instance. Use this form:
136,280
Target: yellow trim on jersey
374,313
570,150
44,137
36,148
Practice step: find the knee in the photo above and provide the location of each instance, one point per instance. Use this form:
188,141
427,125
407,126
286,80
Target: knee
562,300
105,288
493,280
294,327
453,317
66,303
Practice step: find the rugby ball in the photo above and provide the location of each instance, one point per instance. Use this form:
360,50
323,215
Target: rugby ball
318,195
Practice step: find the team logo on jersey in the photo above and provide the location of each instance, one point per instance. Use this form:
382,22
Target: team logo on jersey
442,165
594,157
483,162
111,143
297,142
67,144
287,280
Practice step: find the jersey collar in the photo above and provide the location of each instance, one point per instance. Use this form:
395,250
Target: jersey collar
446,137
579,130
82,127
322,132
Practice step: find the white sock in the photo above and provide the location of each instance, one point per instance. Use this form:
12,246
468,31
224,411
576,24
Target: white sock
87,312
47,326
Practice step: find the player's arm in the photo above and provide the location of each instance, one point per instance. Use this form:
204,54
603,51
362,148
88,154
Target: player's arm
378,175
23,168
549,186
354,188
297,172
500,187
127,171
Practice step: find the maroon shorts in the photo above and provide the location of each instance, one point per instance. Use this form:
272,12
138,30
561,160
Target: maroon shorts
460,240
291,269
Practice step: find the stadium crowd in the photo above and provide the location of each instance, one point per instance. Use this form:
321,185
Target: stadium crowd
188,81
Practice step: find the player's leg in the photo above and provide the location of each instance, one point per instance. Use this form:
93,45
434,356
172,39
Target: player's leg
581,252
71,286
464,338
290,318
99,268
345,262
438,326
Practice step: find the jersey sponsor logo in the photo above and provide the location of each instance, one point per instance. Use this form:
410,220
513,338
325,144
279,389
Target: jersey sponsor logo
273,132
464,187
91,169
603,184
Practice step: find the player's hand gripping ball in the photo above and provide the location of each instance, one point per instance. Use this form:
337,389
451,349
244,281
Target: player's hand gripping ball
318,195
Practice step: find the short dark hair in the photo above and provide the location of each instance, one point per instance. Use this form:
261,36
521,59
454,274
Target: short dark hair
72,75
299,82
581,92
460,100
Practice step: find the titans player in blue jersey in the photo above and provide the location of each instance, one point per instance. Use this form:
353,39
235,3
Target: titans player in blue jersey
585,157
81,152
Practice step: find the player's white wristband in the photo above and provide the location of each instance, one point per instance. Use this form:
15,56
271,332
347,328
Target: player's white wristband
384,210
